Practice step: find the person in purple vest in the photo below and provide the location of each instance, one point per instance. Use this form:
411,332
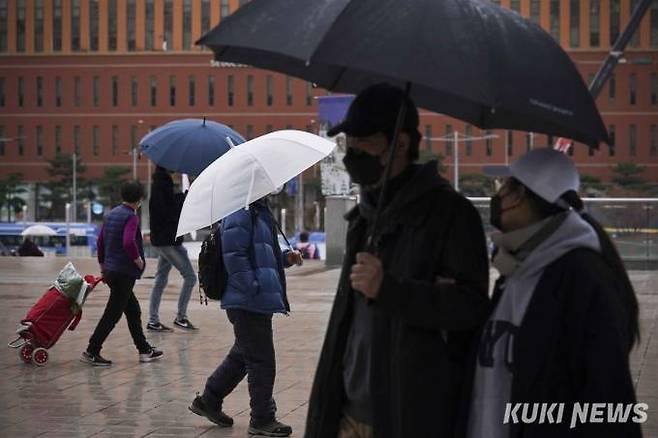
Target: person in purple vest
121,258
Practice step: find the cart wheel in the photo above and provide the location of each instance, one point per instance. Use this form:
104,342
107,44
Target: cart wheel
25,352
40,356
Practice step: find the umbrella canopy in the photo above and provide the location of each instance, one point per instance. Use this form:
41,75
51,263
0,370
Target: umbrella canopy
38,230
247,173
188,145
469,59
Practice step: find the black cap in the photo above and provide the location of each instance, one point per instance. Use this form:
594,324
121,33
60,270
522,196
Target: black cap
375,109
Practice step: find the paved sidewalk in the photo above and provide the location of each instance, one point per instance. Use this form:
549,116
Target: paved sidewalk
67,398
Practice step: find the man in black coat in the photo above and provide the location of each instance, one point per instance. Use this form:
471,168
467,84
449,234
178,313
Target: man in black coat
391,364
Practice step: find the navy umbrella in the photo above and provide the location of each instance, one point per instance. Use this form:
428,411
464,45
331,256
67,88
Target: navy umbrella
469,59
189,145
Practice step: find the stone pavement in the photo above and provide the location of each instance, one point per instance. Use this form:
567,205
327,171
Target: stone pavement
69,399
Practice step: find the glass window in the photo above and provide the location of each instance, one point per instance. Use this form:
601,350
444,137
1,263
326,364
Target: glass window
489,144
653,89
153,84
632,88
39,82
112,24
93,25
191,90
250,132
131,12
115,140
250,90
632,140
574,23
168,24
58,139
468,133
515,5
510,142
21,92
134,142
95,140
20,25
57,25
20,140
614,20
172,90
269,90
449,138
38,25
77,89
2,139
613,140
149,13
133,91
4,32
58,91
635,38
268,128
96,90
555,19
288,90
529,141
535,10
75,25
115,91
76,139
187,24
229,90
594,23
653,18
428,137
309,94
205,16
39,140
224,10
653,140
2,92
612,87
211,90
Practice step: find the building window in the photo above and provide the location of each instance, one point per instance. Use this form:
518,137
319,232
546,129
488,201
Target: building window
612,87
38,25
653,142
115,91
250,132
75,25
555,19
268,128
39,140
2,93
594,23
2,139
614,21
269,90
93,25
76,139
635,38
172,90
510,143
632,88
489,144
632,140
58,91
3,34
515,5
58,139
20,25
205,16
449,139
168,24
39,91
57,25
134,142
211,90
191,91
224,10
468,133
229,90
115,140
96,90
112,24
77,89
149,26
613,140
574,23
535,10
529,140
95,140
428,137
153,85
309,94
288,90
20,140
21,92
187,24
654,88
653,14
133,91
250,90
132,12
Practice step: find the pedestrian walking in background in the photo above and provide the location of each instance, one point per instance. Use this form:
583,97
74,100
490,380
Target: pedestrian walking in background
392,361
29,249
164,209
565,315
256,290
306,248
121,258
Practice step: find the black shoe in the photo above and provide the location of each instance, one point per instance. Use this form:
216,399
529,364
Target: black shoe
158,327
95,359
151,355
184,323
216,416
273,428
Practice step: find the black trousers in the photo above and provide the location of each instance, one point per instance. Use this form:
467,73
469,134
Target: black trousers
122,300
252,355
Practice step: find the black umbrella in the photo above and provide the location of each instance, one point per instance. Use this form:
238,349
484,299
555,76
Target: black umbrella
469,59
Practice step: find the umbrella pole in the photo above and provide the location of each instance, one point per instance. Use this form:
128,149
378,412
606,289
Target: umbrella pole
373,243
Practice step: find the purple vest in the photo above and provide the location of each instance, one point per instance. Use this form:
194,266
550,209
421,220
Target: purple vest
116,259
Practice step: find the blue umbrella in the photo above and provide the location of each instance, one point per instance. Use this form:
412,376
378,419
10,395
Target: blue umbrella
189,145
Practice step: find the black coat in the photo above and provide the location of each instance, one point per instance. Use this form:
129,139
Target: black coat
422,328
164,210
572,346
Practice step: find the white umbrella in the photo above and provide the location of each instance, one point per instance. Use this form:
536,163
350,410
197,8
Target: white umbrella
38,230
247,173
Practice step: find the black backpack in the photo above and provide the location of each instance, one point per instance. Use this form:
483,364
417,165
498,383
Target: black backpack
212,273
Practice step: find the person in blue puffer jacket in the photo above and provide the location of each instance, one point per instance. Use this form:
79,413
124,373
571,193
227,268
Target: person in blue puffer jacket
256,290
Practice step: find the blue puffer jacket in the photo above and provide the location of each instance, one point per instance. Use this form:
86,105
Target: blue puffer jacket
254,262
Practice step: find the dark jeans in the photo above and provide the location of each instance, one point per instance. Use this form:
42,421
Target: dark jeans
122,300
252,355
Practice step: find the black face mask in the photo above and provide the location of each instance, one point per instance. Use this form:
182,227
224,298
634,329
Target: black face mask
363,168
496,211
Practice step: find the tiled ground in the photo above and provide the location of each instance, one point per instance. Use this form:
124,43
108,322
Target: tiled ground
69,399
